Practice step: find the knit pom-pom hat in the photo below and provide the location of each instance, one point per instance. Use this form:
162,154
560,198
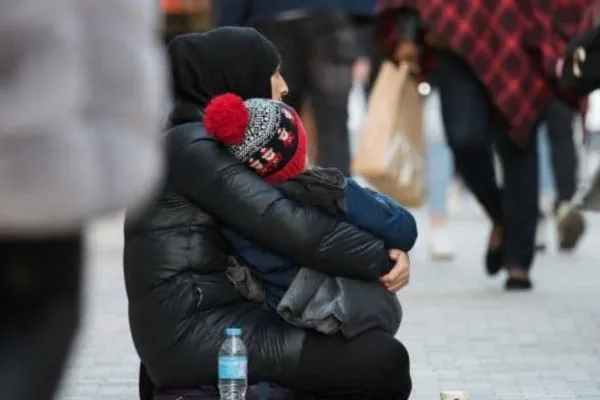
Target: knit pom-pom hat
266,135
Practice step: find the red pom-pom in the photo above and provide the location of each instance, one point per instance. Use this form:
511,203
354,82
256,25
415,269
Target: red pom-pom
226,118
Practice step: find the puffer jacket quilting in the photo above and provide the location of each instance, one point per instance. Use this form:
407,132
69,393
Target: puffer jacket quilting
180,301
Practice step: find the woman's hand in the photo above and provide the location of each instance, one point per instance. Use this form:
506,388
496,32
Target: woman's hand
399,276
435,41
408,51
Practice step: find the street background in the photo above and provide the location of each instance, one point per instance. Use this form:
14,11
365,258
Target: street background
463,331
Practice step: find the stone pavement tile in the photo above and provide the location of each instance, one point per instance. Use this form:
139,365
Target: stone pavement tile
462,330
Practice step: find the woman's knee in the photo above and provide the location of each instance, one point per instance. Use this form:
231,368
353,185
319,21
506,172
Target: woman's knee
375,361
386,369
395,372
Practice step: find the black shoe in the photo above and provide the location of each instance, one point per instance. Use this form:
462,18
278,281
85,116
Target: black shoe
494,258
518,284
494,261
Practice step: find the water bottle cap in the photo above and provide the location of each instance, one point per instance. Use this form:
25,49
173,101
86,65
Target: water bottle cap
233,332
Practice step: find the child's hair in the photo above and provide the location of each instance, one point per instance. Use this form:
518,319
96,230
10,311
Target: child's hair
266,135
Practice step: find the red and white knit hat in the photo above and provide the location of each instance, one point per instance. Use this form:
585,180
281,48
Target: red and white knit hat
266,135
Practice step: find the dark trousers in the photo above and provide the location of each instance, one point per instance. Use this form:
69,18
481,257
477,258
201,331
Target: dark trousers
317,53
39,313
559,122
472,128
371,366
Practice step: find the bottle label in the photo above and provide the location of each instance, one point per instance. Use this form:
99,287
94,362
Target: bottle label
233,367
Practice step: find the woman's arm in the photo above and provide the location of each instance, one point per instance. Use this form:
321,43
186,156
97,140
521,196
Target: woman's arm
381,216
209,175
580,72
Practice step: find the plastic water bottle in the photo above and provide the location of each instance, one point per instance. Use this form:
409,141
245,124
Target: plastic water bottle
233,366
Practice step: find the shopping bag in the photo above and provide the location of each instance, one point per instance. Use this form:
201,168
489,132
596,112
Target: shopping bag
391,154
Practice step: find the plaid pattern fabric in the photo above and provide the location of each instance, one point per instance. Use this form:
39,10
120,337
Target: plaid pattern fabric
512,45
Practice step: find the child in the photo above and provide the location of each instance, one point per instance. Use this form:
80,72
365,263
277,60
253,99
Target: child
268,136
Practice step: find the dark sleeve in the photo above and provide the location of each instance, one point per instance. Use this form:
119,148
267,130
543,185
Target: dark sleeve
589,79
381,216
231,12
210,176
408,25
403,23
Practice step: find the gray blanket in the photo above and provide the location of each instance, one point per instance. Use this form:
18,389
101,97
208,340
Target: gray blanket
327,304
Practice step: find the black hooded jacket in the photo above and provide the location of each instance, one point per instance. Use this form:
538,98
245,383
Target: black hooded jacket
179,299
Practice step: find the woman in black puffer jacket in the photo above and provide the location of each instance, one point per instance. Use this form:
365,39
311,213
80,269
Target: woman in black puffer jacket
180,301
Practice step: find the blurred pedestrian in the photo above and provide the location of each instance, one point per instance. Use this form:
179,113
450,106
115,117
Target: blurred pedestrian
570,224
440,169
319,44
493,66
79,136
580,72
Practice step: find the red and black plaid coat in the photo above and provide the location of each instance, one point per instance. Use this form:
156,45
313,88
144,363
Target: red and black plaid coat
512,45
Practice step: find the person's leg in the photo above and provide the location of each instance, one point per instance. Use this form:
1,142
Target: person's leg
39,313
588,194
439,176
330,83
547,188
570,222
561,140
440,168
467,113
520,202
287,35
371,366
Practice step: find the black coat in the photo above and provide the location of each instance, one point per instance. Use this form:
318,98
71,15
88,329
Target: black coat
179,299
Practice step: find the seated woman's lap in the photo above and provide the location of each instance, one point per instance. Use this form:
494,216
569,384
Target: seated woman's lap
373,365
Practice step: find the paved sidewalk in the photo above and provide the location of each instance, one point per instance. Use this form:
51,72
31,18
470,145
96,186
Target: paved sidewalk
462,330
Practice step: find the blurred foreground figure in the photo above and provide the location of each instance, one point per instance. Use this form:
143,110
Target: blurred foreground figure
81,92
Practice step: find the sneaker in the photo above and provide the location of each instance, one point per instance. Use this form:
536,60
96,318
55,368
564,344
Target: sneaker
441,246
591,196
588,192
570,226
